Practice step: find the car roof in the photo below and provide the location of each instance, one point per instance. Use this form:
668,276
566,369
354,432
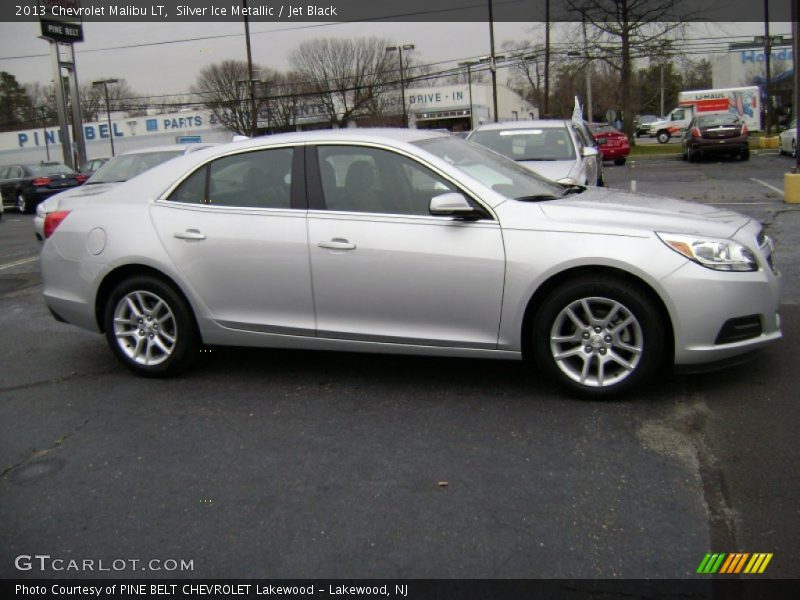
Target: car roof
185,148
361,134
540,123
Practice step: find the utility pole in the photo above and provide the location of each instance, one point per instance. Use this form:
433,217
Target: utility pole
661,114
493,62
104,83
768,75
547,58
251,84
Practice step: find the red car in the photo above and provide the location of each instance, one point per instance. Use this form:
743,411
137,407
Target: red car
613,144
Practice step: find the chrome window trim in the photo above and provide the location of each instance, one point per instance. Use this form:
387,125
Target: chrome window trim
470,193
164,196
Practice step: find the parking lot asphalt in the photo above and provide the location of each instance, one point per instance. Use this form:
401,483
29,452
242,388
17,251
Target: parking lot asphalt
265,463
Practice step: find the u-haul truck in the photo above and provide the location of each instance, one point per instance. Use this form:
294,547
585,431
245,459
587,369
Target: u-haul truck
744,102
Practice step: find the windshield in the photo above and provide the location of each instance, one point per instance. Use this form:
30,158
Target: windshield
536,143
51,169
128,166
502,175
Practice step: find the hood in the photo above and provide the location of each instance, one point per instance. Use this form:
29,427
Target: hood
552,169
85,191
613,210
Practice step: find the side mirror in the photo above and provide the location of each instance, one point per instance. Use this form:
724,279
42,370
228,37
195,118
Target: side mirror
451,204
588,152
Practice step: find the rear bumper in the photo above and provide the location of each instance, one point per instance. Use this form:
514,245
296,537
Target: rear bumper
729,145
615,153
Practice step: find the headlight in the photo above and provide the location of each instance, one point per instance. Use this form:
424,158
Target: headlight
712,253
567,181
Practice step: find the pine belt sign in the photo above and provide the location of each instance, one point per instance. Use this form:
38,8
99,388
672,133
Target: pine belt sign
58,28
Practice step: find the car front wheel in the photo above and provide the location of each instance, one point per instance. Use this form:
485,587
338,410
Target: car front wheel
598,336
663,137
150,328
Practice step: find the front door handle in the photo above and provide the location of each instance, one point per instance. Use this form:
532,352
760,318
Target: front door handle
190,234
337,244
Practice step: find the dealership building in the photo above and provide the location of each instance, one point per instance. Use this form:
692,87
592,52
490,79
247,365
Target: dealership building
451,107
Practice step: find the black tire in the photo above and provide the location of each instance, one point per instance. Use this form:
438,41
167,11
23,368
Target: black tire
745,154
23,206
663,137
794,149
620,161
647,333
691,155
181,327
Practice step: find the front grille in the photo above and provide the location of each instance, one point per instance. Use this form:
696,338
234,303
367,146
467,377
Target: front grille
739,329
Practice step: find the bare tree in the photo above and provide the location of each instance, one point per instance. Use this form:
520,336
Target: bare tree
624,30
345,74
225,91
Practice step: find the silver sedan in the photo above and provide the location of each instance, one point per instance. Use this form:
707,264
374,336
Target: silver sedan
402,241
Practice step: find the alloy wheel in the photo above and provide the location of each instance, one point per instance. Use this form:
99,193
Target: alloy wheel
145,327
596,341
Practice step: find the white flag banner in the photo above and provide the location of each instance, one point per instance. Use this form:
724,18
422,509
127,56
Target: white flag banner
577,112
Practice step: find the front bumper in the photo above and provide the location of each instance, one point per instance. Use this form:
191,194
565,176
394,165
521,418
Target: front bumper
703,301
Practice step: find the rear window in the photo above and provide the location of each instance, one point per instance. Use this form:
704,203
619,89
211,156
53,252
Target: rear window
129,166
55,169
717,120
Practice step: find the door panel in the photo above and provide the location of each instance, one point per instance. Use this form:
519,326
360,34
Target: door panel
386,270
248,264
417,281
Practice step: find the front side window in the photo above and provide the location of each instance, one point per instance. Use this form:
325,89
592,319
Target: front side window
259,179
362,179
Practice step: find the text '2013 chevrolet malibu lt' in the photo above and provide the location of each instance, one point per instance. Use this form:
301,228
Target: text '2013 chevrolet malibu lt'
404,241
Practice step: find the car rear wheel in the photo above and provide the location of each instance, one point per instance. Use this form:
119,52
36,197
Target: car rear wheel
598,336
745,155
691,154
150,327
619,162
22,203
794,149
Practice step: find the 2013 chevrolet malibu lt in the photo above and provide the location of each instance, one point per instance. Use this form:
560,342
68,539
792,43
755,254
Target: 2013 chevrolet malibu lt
403,241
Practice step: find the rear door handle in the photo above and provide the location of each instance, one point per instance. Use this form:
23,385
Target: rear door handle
190,234
337,244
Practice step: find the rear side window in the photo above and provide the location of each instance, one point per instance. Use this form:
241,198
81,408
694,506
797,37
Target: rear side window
259,179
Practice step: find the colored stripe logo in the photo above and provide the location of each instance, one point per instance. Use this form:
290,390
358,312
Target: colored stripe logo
734,563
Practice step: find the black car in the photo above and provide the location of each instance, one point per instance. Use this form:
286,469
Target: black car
25,186
715,134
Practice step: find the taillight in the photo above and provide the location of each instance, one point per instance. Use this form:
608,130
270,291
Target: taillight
696,132
41,181
81,178
745,131
53,220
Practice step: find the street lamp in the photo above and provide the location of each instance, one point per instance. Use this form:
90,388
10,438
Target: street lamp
104,83
469,64
491,60
399,50
43,113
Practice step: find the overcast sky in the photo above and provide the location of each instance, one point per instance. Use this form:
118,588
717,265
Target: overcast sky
173,68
